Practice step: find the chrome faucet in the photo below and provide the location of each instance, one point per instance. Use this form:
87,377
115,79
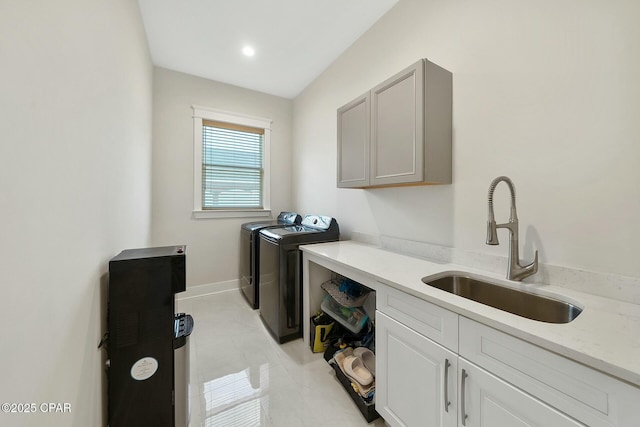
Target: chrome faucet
516,271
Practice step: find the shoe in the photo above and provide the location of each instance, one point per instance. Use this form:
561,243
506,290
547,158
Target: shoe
354,369
368,358
366,391
340,355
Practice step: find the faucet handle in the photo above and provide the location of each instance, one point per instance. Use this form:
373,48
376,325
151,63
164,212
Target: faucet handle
533,267
519,272
492,233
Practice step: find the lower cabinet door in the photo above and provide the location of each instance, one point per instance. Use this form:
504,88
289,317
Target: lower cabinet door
486,400
415,377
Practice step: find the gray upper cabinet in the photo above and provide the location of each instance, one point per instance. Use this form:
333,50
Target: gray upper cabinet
401,129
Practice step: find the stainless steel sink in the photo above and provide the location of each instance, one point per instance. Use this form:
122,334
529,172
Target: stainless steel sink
521,303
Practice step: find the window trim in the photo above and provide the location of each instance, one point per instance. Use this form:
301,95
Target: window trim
204,113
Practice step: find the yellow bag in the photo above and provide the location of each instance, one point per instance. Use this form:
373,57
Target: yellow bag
319,334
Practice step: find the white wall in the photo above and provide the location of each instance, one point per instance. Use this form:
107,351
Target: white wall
212,244
545,92
75,174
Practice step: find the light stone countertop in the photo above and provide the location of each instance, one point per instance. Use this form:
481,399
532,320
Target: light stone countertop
605,336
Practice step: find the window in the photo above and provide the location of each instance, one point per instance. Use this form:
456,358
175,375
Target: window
231,166
231,158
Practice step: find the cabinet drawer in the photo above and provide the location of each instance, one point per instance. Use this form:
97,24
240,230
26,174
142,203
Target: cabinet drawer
432,321
589,396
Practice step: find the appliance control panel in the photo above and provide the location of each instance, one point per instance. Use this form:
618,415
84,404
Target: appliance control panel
289,217
318,221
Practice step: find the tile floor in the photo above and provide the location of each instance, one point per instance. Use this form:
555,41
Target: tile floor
240,376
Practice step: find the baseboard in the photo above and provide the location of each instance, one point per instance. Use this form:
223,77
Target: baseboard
208,288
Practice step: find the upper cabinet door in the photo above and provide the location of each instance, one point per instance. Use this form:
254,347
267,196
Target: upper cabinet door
397,128
353,142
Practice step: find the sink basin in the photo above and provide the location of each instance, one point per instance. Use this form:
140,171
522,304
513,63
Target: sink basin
515,301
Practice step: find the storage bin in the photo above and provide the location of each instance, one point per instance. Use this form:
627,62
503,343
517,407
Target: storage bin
367,409
352,318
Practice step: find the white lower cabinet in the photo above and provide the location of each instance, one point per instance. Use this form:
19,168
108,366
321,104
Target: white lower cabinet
434,365
420,383
487,401
415,377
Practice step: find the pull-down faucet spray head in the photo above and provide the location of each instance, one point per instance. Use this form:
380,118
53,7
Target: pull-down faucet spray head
492,229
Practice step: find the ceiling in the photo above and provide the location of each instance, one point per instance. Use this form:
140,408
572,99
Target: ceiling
294,40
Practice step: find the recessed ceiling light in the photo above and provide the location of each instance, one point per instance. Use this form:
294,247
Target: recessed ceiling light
248,51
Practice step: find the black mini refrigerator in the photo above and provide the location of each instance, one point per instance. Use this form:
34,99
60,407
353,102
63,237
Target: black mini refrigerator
148,342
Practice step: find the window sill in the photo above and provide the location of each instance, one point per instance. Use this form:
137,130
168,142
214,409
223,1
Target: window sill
249,213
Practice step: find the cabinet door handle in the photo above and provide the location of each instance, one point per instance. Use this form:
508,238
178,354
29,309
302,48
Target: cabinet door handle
463,412
446,385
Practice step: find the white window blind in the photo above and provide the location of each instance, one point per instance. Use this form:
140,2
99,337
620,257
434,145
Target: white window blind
232,166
